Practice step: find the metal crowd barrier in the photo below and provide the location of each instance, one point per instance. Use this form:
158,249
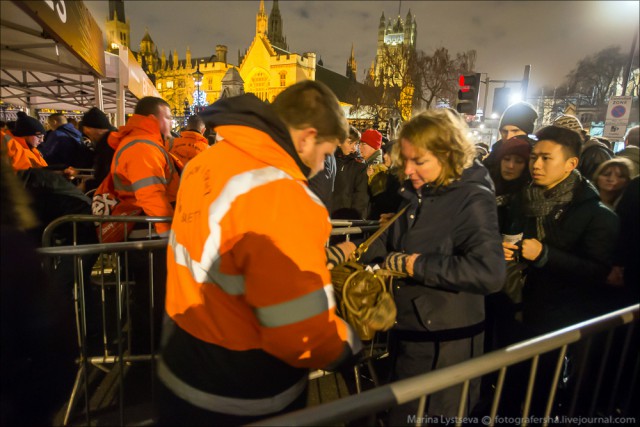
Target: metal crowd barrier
420,387
109,264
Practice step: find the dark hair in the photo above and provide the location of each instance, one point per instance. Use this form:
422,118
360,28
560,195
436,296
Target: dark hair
149,105
195,123
354,134
570,140
312,104
2,124
633,136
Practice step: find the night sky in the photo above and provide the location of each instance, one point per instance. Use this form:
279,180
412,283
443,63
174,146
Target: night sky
552,36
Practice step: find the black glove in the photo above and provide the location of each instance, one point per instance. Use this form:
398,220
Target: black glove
397,261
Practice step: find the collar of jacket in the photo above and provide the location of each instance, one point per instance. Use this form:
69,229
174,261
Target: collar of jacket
195,135
475,174
23,143
249,111
138,126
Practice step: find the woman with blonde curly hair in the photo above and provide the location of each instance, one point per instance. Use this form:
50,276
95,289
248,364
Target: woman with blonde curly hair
448,244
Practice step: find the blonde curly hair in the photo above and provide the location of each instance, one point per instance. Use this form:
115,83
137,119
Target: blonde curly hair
443,133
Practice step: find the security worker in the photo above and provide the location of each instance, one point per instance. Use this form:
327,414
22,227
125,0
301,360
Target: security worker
143,172
249,300
22,146
190,142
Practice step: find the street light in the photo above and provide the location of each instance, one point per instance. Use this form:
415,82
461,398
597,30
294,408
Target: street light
197,76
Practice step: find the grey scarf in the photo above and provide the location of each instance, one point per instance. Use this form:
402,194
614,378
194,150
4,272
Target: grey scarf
539,203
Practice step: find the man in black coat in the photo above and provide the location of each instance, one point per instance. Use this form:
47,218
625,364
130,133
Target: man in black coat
569,236
95,125
350,198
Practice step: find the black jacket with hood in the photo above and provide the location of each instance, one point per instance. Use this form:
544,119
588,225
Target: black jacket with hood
455,231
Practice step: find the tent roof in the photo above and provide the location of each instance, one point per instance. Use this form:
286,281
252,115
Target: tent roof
50,59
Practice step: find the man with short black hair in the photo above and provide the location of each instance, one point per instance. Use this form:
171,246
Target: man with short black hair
569,236
592,152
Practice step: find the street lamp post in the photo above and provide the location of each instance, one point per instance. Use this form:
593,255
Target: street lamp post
187,111
197,76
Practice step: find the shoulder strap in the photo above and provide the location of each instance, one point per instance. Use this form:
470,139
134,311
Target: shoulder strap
364,246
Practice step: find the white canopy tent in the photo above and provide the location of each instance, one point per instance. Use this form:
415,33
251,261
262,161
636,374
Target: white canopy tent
52,56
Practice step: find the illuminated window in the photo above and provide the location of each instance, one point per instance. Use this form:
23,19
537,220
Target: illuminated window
170,84
259,85
283,78
159,85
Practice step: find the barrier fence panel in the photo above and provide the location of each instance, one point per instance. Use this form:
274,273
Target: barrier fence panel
111,345
616,410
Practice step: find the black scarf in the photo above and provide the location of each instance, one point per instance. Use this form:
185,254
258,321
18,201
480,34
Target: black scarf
539,203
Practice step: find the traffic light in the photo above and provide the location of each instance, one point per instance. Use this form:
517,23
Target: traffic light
468,94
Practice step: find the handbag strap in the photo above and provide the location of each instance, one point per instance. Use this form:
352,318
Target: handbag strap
364,246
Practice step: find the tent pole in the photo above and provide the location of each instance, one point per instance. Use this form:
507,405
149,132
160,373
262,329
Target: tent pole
97,89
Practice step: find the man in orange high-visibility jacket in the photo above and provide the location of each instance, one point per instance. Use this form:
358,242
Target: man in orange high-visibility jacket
249,299
142,169
190,142
22,146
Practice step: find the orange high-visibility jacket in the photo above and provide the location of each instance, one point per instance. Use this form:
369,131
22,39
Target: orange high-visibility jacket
21,155
143,172
249,296
188,145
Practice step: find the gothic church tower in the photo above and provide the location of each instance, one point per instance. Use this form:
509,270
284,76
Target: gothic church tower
117,26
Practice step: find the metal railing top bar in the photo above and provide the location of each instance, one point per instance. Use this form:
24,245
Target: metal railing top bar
48,231
354,222
340,231
104,247
397,393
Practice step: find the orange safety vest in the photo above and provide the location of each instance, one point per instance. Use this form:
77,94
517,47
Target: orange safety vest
248,291
143,172
188,145
22,156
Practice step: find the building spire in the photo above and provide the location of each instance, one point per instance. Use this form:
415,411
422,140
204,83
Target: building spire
352,67
261,21
275,33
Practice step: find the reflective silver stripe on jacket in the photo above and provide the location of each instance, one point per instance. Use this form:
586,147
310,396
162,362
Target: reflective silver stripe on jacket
229,405
296,310
208,269
141,183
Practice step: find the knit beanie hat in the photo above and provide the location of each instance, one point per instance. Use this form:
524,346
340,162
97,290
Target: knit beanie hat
95,118
372,138
569,122
28,126
518,145
521,115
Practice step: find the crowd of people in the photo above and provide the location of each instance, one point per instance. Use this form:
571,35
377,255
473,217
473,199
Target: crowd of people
492,248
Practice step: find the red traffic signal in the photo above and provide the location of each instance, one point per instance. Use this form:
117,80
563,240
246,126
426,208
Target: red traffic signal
468,93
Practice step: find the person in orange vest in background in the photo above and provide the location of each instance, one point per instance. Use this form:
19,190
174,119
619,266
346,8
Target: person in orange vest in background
249,297
191,141
22,145
142,169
